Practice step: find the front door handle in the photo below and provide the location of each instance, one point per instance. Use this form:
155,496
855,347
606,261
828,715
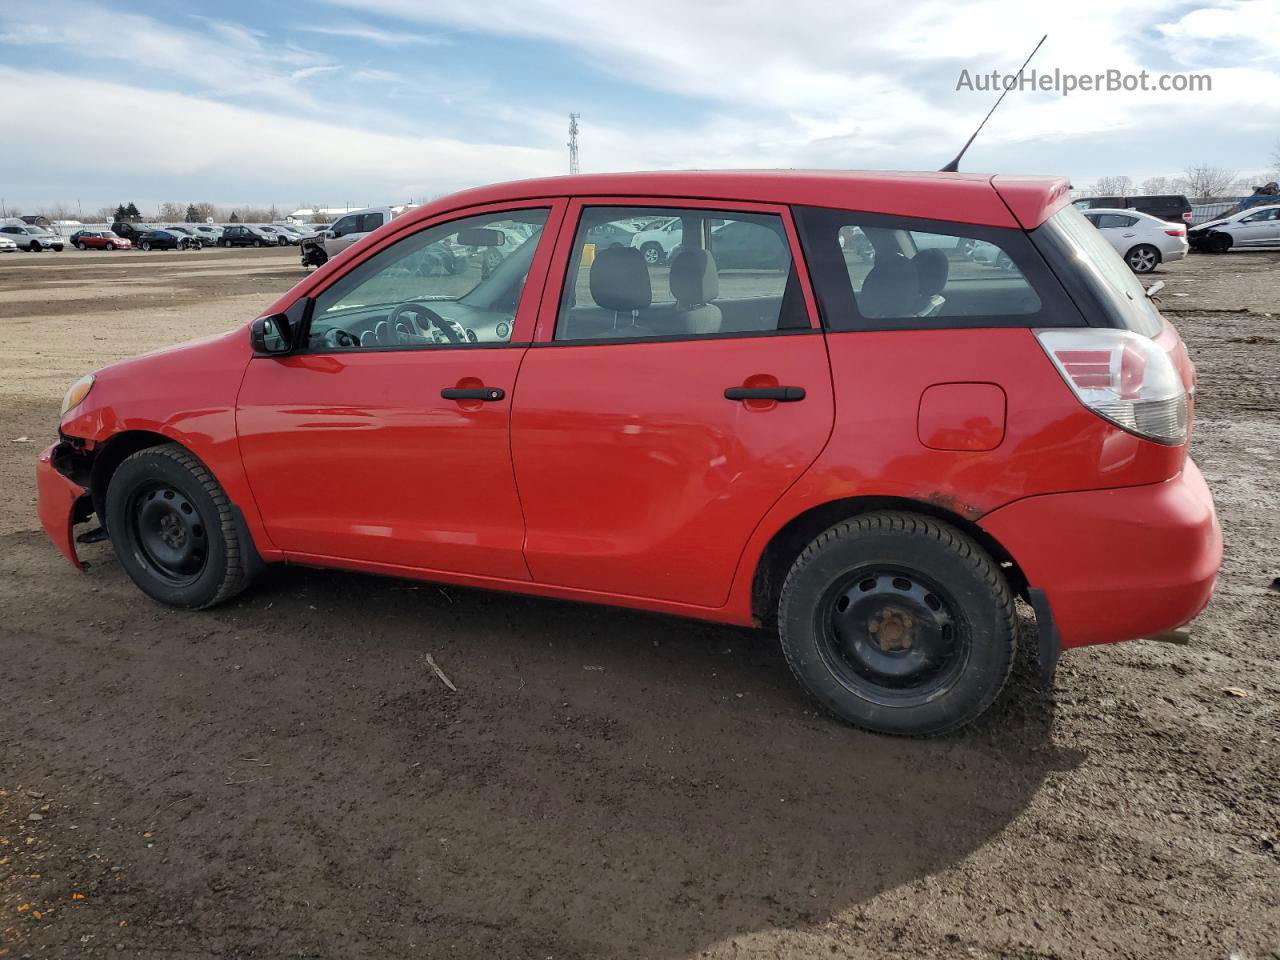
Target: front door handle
781,394
473,393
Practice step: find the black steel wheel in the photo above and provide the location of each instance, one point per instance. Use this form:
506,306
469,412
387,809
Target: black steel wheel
899,623
893,634
174,530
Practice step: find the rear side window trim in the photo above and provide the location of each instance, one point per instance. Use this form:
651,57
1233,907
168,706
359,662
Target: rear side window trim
834,290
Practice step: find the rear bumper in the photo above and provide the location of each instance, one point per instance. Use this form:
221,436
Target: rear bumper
60,504
1117,564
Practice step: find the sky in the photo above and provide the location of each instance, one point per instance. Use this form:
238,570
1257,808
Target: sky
361,102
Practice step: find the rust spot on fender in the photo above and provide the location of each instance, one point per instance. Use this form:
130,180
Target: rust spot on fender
953,505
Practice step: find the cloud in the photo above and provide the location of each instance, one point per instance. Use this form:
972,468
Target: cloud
242,65
219,149
385,38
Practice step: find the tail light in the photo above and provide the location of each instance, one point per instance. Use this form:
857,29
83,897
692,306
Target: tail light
1186,217
1122,377
1177,232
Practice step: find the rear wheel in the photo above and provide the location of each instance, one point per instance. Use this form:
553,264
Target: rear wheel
173,529
1143,258
898,623
145,245
35,246
257,243
80,246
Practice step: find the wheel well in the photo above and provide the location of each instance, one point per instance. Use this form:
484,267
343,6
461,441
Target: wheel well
787,544
110,456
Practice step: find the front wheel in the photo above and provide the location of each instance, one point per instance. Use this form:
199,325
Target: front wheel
257,243
173,529
652,254
35,246
898,623
1219,242
1143,258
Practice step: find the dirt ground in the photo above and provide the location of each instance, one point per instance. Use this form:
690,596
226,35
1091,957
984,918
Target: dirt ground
284,776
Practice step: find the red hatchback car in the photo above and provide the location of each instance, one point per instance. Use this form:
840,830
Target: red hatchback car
99,240
901,402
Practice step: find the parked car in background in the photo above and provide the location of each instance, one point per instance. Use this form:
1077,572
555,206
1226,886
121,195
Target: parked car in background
1143,241
1255,227
164,240
7,244
197,241
98,240
32,239
746,244
355,226
582,424
658,242
283,237
131,231
243,235
612,235
1173,207
209,233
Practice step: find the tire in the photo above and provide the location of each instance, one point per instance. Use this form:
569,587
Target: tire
652,253
1143,258
145,245
1218,242
35,246
110,246
898,623
257,243
81,246
174,531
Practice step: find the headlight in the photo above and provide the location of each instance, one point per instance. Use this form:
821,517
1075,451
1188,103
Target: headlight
79,390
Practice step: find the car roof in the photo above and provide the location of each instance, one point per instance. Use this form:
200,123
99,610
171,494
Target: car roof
999,201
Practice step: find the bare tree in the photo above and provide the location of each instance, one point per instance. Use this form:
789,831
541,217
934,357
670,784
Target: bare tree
171,212
1154,186
1207,183
1111,187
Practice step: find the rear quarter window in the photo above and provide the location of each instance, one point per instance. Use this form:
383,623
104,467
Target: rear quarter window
873,272
1093,273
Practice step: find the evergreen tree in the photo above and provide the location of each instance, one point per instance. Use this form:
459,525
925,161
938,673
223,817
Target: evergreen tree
193,215
234,218
121,213
132,214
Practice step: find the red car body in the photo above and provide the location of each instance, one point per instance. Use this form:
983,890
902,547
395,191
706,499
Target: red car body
624,476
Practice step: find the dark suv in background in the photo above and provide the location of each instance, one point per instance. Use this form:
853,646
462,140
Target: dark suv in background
1173,207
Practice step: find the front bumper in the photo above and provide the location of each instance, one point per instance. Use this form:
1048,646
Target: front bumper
1117,564
61,504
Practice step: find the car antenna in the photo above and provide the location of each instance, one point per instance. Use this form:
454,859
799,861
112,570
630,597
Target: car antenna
954,165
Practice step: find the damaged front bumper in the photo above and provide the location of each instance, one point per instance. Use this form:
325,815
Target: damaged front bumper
62,503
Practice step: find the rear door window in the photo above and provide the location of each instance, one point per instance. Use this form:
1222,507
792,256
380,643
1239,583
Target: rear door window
718,273
878,272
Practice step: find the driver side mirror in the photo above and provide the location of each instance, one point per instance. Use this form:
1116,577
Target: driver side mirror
271,336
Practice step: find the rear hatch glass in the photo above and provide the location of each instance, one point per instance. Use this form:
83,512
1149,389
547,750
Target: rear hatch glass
1100,282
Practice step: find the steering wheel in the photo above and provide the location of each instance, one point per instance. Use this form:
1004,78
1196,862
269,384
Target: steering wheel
440,323
336,337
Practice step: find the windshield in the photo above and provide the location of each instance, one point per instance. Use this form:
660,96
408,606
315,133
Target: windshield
1094,272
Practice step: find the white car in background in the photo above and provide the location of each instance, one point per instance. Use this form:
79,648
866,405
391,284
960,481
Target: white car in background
659,242
355,226
1143,241
1255,227
7,245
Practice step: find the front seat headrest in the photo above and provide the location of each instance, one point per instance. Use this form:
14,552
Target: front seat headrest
932,268
890,289
694,279
620,280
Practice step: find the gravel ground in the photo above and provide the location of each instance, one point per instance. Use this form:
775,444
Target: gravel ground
285,776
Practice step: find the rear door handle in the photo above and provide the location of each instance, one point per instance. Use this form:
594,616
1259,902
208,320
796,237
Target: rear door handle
781,394
473,393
